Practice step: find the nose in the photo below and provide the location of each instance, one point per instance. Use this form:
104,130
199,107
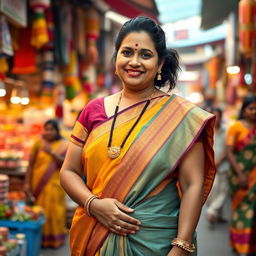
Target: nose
134,61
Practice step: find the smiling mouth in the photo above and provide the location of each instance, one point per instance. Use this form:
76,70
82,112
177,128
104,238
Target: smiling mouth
134,73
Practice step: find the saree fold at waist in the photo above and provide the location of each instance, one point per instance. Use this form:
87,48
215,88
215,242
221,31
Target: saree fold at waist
146,167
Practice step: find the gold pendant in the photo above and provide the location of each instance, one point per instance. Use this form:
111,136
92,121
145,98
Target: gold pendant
114,152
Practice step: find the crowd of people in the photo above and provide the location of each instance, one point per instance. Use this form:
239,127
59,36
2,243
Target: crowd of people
141,162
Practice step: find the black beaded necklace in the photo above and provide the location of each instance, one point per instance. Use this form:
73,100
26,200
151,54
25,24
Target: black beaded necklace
115,151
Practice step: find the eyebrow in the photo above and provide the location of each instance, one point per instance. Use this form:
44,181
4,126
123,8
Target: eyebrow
143,49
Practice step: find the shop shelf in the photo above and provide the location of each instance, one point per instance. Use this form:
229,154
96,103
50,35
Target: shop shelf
32,230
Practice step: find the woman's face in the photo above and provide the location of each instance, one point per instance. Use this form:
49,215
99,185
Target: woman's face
250,112
137,61
49,133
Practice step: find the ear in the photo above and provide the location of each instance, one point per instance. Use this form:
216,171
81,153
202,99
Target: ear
160,65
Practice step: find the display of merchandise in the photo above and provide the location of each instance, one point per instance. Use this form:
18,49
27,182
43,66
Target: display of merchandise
4,188
22,245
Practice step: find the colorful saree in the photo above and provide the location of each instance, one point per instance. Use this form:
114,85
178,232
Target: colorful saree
243,222
49,194
144,176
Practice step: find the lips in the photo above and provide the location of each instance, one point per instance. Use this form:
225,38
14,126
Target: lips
134,72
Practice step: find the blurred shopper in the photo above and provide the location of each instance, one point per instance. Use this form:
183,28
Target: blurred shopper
241,142
42,181
133,147
218,194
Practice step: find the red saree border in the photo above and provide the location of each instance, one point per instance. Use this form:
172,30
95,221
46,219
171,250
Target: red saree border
133,165
247,140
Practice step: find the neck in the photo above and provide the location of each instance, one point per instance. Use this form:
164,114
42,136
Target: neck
250,122
217,127
137,95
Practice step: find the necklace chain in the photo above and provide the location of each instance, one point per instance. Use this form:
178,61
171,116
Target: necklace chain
115,151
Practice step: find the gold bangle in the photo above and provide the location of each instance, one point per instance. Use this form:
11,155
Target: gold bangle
87,204
185,245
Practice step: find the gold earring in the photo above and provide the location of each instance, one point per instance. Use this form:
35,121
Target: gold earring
159,77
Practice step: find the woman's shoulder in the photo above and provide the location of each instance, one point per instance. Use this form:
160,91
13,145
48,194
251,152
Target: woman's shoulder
93,114
236,125
96,102
187,104
92,106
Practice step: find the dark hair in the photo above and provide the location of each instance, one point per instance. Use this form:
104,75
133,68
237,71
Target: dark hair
216,109
170,68
246,102
55,125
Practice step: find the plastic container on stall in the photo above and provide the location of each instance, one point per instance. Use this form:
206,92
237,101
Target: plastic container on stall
32,231
3,251
22,244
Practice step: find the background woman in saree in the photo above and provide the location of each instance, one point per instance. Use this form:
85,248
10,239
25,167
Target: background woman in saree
42,182
241,144
139,211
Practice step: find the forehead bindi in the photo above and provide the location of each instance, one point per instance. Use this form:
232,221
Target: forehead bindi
138,40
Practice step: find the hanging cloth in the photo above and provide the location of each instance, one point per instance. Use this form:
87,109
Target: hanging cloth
25,56
39,26
5,38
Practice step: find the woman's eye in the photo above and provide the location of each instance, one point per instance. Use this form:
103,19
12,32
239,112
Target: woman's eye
146,55
126,53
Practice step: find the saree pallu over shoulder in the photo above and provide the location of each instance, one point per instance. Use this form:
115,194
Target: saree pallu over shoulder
146,166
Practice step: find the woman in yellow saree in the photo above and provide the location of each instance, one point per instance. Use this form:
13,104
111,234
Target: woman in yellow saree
241,142
42,181
140,150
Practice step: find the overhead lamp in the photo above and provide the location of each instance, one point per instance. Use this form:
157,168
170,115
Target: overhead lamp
232,70
16,93
15,98
2,89
25,97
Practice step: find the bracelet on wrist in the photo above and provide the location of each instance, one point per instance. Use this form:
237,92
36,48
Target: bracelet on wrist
87,204
185,245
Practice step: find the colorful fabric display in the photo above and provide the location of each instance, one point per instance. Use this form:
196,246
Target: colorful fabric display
51,28
2,76
80,40
25,56
72,82
48,73
39,26
3,65
92,34
63,23
5,38
59,95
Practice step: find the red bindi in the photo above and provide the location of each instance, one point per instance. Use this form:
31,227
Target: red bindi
136,44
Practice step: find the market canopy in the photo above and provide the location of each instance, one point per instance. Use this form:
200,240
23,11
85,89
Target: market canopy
133,8
215,12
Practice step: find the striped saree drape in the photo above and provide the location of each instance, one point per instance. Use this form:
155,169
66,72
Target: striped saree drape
144,177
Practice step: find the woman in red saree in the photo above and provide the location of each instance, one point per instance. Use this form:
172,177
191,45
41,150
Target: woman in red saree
147,157
241,142
42,181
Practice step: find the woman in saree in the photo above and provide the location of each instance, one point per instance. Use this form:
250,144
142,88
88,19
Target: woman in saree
147,157
42,182
241,144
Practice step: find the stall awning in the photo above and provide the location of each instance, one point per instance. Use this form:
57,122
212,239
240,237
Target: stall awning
133,8
215,12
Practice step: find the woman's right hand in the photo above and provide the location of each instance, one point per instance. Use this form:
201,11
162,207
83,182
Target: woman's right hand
27,188
111,213
242,180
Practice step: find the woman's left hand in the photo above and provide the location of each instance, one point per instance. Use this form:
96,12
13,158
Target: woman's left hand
47,148
177,251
